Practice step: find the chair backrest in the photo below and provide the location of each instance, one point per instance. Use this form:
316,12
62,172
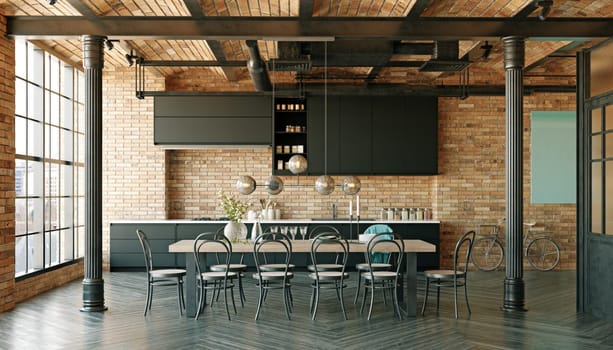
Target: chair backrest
265,241
144,243
392,244
378,228
465,242
327,239
212,238
322,229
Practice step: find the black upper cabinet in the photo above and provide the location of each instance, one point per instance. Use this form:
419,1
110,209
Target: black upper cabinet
383,135
212,120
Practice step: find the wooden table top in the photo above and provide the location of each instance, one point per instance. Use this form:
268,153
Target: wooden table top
303,246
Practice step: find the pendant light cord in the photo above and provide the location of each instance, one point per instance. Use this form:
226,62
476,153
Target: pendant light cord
326,108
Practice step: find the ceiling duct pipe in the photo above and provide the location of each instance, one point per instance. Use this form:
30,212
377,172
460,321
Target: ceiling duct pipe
257,68
445,58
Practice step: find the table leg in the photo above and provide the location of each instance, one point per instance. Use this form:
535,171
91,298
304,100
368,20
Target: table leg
410,277
190,285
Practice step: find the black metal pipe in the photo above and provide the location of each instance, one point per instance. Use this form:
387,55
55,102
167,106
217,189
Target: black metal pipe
257,68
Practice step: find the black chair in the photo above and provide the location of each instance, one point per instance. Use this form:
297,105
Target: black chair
381,261
160,277
383,279
214,280
325,229
240,268
273,279
456,277
325,278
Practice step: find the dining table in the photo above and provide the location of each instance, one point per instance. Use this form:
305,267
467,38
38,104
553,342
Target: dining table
407,296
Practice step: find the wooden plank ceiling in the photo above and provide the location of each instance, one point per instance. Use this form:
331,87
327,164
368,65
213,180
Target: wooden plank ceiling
547,61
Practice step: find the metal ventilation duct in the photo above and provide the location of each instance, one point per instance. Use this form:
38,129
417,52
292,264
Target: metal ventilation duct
257,68
445,58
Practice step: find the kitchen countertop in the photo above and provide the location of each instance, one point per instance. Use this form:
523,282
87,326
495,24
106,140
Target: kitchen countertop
282,221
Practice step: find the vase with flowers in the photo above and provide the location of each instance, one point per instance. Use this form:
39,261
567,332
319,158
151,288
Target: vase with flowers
235,210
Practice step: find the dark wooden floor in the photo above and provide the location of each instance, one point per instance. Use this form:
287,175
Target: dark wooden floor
53,321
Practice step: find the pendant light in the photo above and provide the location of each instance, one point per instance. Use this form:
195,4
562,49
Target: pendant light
273,184
325,183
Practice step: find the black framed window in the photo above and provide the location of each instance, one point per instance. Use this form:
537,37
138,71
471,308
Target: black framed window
49,160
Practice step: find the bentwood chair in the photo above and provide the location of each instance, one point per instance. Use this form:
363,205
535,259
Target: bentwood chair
326,278
382,279
380,261
273,279
240,268
160,277
325,229
456,277
214,280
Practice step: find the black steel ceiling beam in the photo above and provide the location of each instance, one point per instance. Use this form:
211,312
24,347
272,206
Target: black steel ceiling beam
306,9
144,27
207,63
418,8
194,8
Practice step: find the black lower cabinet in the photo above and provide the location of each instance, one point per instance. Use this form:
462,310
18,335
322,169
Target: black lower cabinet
126,253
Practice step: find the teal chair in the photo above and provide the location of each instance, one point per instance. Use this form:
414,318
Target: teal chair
379,261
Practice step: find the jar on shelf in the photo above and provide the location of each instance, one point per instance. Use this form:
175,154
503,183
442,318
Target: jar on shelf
279,149
412,214
427,214
383,214
286,149
404,214
420,214
280,164
390,214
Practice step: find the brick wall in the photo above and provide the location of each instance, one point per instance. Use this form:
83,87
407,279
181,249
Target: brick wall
133,168
7,169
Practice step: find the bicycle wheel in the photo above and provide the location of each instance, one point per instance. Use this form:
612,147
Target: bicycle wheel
543,253
487,253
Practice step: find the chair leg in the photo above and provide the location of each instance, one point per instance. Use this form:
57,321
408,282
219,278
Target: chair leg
286,301
466,297
455,300
395,301
260,300
438,295
179,296
423,308
241,292
372,299
182,295
148,302
225,297
201,299
290,300
364,297
316,302
312,302
357,291
233,303
342,300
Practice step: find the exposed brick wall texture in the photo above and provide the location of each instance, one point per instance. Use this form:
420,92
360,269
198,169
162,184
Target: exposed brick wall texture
133,168
7,169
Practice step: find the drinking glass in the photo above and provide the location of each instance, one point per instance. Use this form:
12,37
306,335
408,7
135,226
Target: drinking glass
303,230
292,231
274,230
284,230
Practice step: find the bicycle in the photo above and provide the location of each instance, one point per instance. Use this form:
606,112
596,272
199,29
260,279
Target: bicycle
542,252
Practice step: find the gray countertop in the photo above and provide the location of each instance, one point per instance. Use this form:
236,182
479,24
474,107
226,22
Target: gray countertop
282,221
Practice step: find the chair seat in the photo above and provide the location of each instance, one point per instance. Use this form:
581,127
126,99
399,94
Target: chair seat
216,275
380,275
272,275
166,273
443,274
233,267
329,275
325,267
375,266
276,267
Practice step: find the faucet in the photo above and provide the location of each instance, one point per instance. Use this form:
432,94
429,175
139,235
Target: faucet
333,211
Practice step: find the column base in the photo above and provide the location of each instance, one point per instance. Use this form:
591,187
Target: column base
93,295
513,295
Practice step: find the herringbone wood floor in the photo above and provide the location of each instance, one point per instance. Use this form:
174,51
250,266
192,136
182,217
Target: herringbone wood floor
53,321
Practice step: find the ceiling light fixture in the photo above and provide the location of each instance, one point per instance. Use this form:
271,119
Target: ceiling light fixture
487,49
131,58
325,183
109,43
52,2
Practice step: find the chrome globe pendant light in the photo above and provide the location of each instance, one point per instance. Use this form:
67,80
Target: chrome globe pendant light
325,183
273,184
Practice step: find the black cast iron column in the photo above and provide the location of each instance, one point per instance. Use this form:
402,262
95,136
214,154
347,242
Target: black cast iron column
93,284
514,92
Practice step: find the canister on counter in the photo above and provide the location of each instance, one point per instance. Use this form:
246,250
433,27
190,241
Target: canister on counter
383,214
279,149
404,214
286,149
390,214
280,164
420,214
427,214
412,214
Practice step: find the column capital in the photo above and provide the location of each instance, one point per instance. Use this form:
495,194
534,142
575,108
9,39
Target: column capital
514,52
93,51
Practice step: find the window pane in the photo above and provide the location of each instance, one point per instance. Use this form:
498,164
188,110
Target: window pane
609,198
21,94
35,65
20,57
597,197
35,179
20,177
80,241
35,139
54,73
35,215
66,113
35,252
35,102
52,177
66,179
67,245
21,216
54,108
52,207
601,67
67,81
66,213
66,145
596,120
81,211
609,145
81,148
52,248
21,135
81,118
21,253
52,140
81,181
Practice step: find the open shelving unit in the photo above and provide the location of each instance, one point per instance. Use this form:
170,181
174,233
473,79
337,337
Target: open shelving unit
290,132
